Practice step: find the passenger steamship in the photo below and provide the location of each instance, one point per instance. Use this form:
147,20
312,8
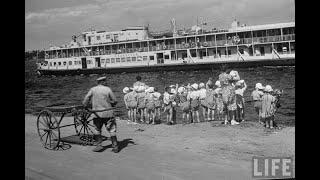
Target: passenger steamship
136,49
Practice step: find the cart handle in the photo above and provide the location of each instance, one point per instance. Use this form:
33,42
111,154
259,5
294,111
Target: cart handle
108,109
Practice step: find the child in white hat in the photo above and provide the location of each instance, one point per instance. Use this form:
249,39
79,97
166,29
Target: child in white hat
219,102
202,97
157,104
130,100
167,104
126,91
150,106
210,101
193,97
241,86
268,106
141,94
256,97
184,104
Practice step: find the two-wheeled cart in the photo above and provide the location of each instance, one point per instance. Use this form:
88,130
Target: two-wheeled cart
49,124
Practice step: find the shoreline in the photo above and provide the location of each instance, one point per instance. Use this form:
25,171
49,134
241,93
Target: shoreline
161,152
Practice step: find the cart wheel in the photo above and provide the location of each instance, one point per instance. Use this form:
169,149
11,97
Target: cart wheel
83,124
48,130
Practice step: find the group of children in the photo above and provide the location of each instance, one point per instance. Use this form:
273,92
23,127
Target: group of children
225,98
266,102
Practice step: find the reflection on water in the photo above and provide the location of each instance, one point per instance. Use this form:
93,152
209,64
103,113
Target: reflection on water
42,91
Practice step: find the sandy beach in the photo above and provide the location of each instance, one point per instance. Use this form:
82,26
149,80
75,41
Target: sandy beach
206,150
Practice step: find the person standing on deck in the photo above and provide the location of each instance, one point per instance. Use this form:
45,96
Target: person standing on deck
103,98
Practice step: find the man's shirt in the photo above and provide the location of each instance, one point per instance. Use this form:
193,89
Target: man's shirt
102,97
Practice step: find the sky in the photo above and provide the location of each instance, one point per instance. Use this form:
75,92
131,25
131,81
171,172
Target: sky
53,22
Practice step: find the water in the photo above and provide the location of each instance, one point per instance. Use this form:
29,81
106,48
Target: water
42,91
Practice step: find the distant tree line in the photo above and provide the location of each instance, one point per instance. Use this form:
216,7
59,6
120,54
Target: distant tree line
29,55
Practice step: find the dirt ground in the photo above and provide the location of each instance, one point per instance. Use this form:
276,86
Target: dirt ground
179,152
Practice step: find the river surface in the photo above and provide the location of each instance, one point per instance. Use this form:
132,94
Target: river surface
43,91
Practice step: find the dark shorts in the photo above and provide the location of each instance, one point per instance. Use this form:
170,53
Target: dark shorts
150,107
167,107
110,124
257,104
195,105
185,106
157,104
132,104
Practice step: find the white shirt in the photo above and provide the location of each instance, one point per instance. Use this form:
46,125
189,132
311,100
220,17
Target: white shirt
193,95
202,93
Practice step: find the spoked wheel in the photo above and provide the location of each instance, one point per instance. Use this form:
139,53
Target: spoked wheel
48,130
83,124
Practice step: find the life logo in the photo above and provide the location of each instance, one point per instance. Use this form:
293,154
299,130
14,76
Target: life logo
272,167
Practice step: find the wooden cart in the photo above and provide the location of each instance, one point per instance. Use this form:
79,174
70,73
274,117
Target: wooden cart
49,124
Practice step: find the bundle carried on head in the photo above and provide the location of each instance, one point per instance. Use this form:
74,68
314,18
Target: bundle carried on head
224,78
234,75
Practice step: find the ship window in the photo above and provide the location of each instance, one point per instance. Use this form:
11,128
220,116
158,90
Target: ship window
102,61
54,63
134,58
128,59
98,38
145,58
70,62
107,36
50,63
80,62
112,60
117,59
108,60
166,56
241,51
151,58
59,63
123,59
75,62
139,58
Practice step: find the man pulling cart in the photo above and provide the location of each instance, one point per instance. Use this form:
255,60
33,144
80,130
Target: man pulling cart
102,99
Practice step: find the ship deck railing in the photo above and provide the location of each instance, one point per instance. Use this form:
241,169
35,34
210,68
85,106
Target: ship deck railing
206,44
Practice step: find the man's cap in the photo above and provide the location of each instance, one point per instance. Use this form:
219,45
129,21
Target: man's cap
102,78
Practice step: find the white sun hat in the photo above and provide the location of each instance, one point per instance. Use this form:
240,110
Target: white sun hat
268,88
181,89
218,83
141,88
201,85
150,90
194,86
259,86
125,90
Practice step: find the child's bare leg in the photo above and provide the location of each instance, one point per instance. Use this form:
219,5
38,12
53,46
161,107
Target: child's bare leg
183,116
204,113
188,117
171,115
159,113
135,114
209,117
198,117
226,117
212,114
193,116
153,117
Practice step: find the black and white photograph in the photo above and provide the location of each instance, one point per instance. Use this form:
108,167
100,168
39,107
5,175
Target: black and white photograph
159,89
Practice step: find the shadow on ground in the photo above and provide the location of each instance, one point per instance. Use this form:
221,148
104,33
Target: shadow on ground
122,144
